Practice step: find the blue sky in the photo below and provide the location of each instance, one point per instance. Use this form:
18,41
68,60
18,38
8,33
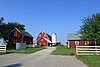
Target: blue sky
60,16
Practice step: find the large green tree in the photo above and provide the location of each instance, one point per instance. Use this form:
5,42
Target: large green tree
90,29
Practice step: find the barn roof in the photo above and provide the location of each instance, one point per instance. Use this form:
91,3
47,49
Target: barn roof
73,36
48,40
25,33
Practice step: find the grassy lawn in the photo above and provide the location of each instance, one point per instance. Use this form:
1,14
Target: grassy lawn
25,51
1,53
90,60
64,50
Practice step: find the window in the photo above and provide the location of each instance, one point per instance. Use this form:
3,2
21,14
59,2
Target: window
24,41
44,43
39,35
41,39
15,41
76,42
86,42
15,34
39,43
44,35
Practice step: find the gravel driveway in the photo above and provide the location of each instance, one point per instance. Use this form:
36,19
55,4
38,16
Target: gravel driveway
39,59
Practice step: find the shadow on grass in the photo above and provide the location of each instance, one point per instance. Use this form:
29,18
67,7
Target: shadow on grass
14,65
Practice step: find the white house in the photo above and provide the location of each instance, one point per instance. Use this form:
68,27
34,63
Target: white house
2,41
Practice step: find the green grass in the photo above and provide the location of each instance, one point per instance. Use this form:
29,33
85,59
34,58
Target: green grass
64,50
24,51
1,53
90,60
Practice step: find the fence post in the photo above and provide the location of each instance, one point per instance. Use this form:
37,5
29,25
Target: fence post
96,49
5,48
76,50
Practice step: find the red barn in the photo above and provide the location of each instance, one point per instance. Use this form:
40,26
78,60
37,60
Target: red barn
20,37
43,39
74,39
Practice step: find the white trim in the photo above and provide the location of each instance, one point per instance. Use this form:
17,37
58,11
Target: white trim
15,29
68,44
47,40
38,39
41,39
15,33
76,42
39,35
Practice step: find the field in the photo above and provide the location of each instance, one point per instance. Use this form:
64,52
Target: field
64,50
90,60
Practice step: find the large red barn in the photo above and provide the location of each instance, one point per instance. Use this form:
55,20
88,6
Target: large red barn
43,39
74,39
21,37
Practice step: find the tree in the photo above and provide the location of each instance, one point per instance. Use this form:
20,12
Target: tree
90,30
12,25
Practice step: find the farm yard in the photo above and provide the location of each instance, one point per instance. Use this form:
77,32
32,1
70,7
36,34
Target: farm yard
49,33
39,59
90,60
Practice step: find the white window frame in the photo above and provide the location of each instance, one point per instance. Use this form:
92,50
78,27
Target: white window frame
44,43
68,44
44,35
15,33
76,42
41,39
39,35
39,43
86,42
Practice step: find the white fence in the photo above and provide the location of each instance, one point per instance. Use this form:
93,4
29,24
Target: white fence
2,48
87,50
19,45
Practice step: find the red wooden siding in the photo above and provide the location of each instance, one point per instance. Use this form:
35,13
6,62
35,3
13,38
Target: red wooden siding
27,40
72,44
41,40
12,38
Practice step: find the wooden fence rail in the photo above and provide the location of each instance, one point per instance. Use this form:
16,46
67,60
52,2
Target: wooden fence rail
2,48
87,50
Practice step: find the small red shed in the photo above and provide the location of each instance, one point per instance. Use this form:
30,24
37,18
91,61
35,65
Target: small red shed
43,39
21,37
74,39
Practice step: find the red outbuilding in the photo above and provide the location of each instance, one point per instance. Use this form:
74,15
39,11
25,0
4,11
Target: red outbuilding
74,39
19,39
43,39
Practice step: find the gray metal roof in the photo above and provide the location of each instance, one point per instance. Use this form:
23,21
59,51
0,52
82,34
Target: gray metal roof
25,33
73,36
